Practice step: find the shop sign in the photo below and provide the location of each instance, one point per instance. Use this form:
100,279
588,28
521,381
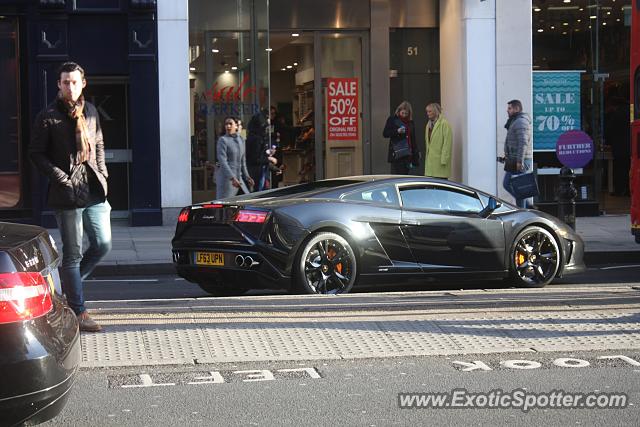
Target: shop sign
342,109
556,106
228,100
574,149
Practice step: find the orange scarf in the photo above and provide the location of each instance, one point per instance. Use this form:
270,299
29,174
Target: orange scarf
75,110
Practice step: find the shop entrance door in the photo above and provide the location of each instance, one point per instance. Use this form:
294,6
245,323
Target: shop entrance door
341,119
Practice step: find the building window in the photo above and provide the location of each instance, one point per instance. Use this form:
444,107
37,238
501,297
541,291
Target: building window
592,37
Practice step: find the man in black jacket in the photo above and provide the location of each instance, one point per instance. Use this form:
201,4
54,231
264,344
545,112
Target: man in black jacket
67,147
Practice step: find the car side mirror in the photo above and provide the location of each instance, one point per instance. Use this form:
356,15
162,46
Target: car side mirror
492,205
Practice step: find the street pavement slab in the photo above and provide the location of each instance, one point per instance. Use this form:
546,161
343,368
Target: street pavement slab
295,328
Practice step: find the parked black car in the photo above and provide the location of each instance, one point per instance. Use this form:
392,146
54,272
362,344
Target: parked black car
327,236
39,336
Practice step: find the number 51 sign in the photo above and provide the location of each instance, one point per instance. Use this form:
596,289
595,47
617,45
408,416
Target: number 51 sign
342,109
556,106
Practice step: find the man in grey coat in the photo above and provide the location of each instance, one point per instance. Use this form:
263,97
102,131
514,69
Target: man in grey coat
517,148
231,173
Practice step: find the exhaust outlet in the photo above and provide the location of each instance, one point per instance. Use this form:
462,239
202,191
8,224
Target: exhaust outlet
248,261
239,260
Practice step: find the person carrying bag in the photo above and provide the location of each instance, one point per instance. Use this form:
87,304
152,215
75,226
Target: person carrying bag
403,151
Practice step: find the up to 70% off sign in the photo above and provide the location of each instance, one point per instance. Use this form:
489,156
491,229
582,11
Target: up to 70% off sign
554,122
342,105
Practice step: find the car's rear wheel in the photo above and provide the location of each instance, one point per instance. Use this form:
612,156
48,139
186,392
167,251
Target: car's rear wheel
218,290
326,265
534,258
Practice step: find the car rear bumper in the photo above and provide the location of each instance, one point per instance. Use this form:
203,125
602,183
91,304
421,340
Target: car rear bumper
38,366
240,267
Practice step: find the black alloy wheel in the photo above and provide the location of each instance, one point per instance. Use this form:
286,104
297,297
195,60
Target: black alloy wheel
535,258
326,265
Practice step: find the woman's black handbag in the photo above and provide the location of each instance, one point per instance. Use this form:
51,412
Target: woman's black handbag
401,149
524,185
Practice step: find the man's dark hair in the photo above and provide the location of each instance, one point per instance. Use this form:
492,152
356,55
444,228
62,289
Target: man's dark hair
69,67
515,103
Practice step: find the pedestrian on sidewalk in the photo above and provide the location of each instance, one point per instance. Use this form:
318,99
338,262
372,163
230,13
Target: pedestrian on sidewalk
231,173
439,139
67,147
518,155
403,152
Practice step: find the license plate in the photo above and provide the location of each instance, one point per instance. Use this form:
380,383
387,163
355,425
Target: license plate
209,258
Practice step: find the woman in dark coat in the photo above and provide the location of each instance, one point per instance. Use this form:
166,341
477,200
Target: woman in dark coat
404,153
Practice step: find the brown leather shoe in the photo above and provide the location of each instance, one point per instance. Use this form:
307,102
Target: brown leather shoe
87,324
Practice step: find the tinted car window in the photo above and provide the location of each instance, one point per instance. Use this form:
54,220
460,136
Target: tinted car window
441,199
384,194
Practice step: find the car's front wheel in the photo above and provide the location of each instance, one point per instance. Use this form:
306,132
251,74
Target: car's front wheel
535,258
326,265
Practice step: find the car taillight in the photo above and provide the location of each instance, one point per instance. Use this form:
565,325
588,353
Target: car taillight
212,206
23,296
251,216
184,215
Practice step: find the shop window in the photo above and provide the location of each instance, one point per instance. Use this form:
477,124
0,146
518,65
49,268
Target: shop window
10,144
592,38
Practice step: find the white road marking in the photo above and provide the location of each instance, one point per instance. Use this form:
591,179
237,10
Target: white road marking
621,357
569,362
147,382
618,267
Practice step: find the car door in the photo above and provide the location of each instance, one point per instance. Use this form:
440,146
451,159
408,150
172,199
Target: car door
443,227
388,251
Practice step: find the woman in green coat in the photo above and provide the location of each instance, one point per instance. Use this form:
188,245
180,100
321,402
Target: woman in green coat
439,139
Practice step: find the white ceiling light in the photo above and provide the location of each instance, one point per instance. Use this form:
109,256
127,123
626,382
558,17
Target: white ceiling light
289,66
295,34
295,64
215,50
234,68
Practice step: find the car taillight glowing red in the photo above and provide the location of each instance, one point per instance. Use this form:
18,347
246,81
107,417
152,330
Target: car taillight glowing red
184,215
23,296
212,206
251,216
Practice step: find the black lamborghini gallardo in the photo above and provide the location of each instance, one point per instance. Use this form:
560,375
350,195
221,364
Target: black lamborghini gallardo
327,236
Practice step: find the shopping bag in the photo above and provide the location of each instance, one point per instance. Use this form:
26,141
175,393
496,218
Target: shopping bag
524,185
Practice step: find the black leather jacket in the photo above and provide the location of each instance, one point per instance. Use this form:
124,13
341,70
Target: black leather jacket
53,149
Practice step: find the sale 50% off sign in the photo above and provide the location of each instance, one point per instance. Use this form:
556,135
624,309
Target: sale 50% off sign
342,109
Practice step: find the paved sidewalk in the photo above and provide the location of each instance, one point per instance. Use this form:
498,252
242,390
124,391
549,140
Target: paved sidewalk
147,250
286,328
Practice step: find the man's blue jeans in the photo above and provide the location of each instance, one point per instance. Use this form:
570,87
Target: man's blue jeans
506,183
95,220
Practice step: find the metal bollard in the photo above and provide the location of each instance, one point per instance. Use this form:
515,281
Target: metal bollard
567,197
